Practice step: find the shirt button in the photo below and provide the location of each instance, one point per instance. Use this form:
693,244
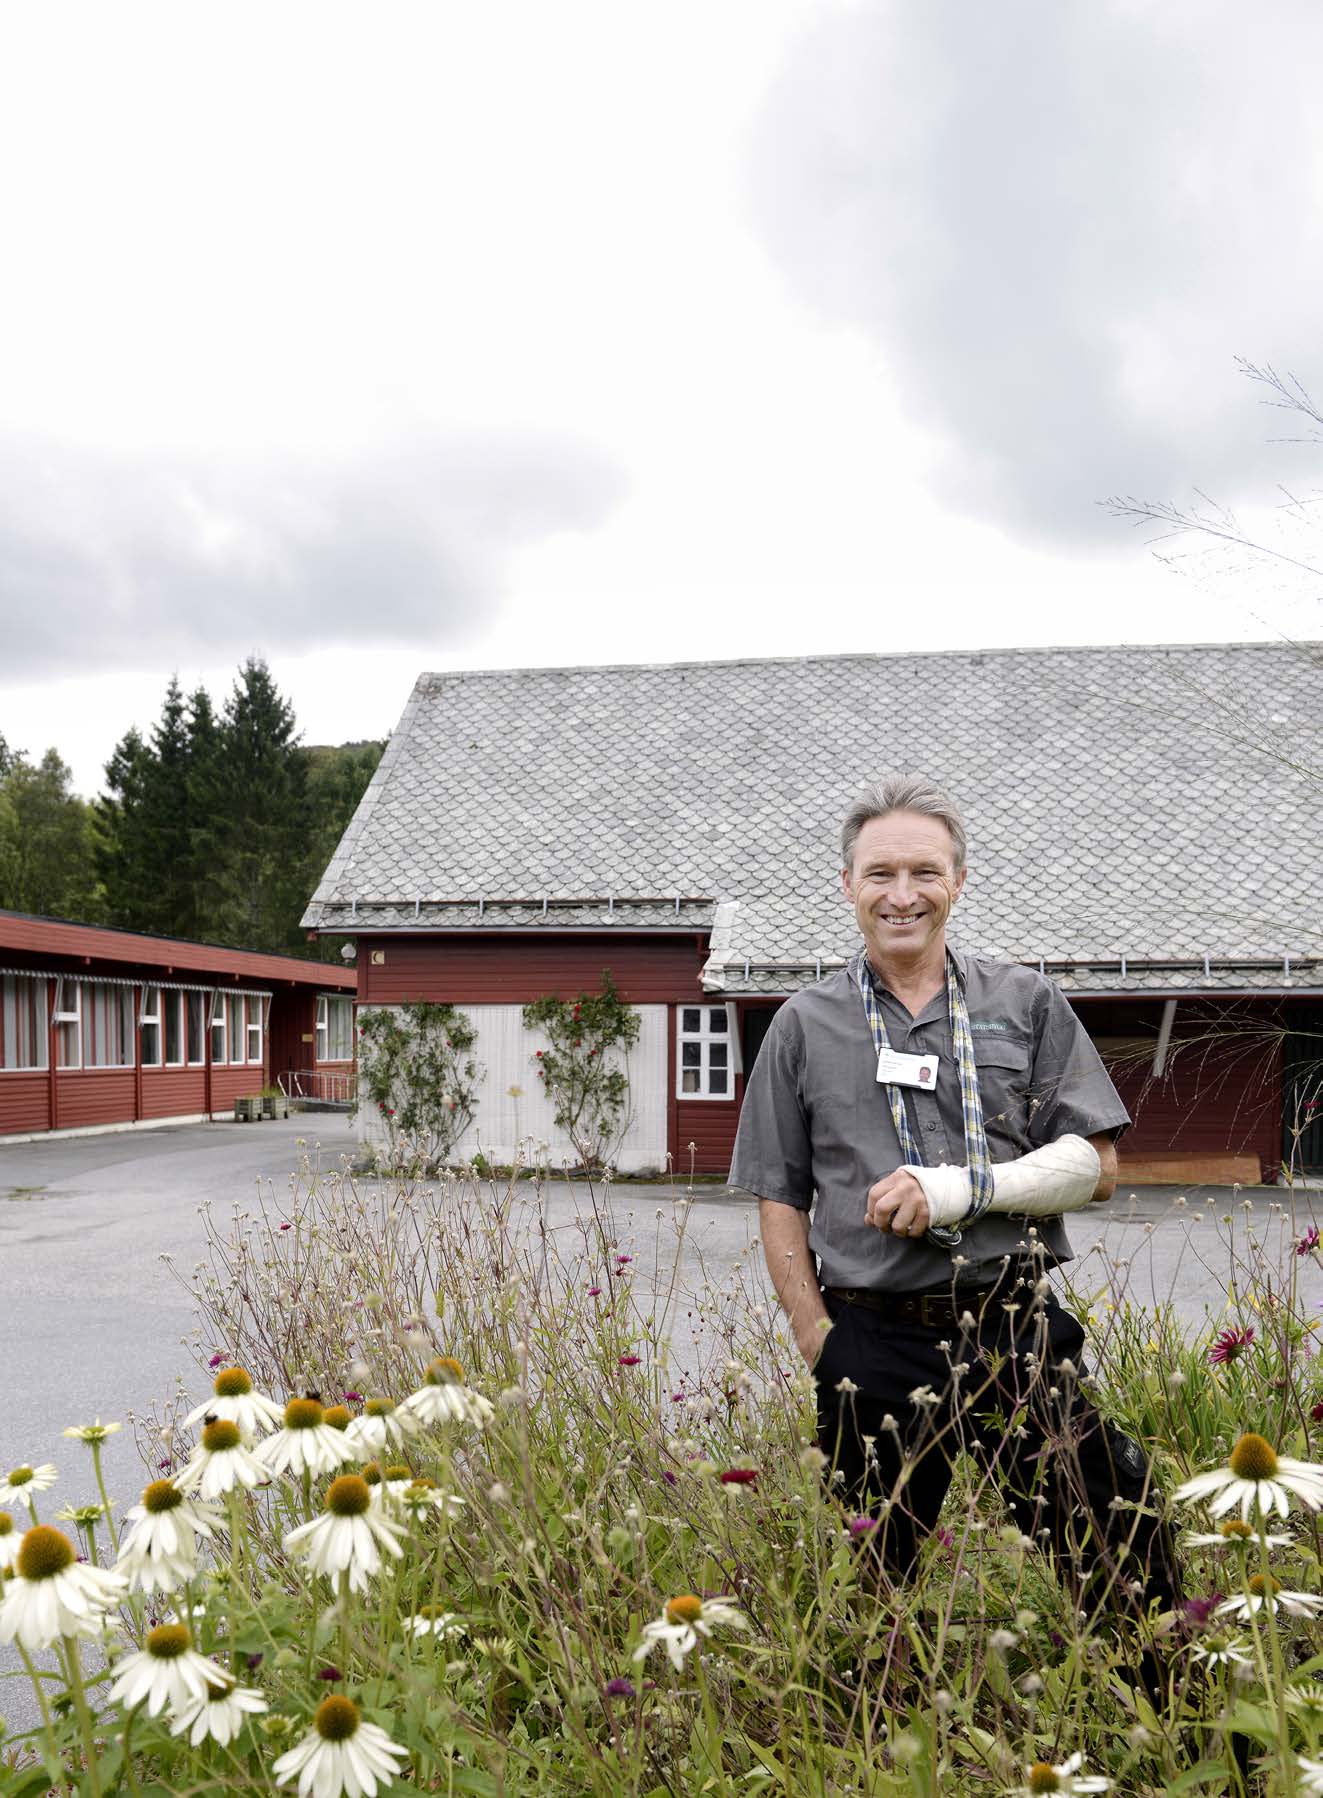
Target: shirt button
930,1126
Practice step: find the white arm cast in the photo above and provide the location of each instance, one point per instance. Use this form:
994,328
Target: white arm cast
1061,1176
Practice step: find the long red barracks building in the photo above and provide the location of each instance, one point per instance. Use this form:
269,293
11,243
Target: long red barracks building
102,1028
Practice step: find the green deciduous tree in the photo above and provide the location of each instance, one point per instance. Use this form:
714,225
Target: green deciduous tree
46,860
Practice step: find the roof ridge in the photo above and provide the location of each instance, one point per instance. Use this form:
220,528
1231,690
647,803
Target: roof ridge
863,655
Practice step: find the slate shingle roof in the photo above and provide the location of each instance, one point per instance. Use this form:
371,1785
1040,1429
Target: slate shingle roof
1155,803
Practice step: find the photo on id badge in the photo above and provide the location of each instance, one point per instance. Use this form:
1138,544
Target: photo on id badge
895,1069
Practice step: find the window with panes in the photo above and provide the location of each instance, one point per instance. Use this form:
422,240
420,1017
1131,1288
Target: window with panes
22,1022
335,1029
107,1026
702,1039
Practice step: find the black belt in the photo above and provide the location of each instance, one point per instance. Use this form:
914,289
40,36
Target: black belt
937,1307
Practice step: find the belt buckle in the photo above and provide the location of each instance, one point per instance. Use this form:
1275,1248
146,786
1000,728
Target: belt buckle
929,1322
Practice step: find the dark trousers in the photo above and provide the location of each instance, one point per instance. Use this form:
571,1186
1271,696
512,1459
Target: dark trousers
1021,1415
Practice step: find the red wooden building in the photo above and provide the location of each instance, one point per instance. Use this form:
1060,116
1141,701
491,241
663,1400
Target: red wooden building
104,1028
528,828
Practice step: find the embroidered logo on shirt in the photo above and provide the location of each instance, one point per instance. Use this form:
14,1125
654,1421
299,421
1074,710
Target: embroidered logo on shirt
977,1024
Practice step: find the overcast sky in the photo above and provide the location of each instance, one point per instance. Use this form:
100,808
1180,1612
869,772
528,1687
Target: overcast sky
375,339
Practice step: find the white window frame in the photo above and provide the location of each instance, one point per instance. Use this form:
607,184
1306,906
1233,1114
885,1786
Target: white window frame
706,1036
217,1020
322,1029
345,1038
200,999
254,1022
150,1020
235,1021
14,1001
62,1017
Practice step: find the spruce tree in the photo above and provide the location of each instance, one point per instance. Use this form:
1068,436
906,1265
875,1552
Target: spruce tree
257,839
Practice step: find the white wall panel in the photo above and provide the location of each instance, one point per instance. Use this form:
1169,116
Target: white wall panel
513,1108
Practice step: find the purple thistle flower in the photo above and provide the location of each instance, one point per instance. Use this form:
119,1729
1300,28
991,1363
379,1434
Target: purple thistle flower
670,1478
1308,1242
1316,1411
861,1526
618,1688
594,1292
329,1673
353,1398
216,1361
1198,1610
630,1360
1230,1346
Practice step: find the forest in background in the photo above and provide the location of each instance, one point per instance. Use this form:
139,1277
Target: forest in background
217,826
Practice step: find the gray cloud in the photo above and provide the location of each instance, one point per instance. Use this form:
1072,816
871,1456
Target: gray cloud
116,560
1061,224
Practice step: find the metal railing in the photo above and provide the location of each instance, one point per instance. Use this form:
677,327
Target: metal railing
319,1086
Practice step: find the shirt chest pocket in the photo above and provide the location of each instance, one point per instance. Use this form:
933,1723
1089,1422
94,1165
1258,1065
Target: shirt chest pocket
1003,1082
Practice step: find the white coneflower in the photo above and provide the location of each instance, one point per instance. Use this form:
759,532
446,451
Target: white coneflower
220,1462
21,1484
422,1495
341,1754
93,1434
349,1535
9,1539
383,1425
1309,1776
338,1417
158,1551
234,1399
1221,1651
220,1713
1265,1591
167,1669
444,1398
305,1443
53,1594
1256,1475
431,1620
1042,1776
682,1622
1233,1533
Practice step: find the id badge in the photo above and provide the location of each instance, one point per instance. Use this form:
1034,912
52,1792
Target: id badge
895,1069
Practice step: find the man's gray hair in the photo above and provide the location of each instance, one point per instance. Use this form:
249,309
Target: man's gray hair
903,793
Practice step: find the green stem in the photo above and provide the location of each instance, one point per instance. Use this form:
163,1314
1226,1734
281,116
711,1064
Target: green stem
74,1662
234,1505
105,1498
39,1689
129,1773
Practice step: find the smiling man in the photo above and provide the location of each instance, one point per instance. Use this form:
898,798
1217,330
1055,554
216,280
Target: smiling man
914,1128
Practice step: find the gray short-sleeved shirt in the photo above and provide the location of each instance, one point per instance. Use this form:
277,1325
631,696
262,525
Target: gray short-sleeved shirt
816,1130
